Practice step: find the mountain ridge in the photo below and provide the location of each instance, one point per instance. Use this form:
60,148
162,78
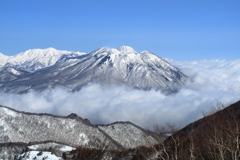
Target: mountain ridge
35,59
105,66
40,127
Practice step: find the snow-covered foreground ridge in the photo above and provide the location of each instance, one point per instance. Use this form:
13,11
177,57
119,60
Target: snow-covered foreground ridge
46,69
23,127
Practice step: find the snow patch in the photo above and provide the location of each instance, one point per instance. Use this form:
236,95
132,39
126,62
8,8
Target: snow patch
83,138
9,112
57,146
37,155
33,147
67,149
14,71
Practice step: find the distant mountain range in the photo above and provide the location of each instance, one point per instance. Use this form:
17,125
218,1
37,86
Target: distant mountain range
40,69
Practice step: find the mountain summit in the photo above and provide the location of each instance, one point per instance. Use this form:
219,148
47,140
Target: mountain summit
105,66
126,49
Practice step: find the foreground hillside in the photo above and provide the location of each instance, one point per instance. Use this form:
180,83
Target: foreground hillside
214,137
23,127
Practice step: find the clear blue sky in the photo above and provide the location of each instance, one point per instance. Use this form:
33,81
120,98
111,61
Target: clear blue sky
176,29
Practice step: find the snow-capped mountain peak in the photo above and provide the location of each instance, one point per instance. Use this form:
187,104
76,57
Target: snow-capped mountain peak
120,50
127,55
1,55
44,53
35,59
40,52
106,66
126,49
3,59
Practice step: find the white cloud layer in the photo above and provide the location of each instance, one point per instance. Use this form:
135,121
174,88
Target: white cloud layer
210,81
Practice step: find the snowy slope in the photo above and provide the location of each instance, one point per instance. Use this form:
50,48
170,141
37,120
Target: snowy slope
3,59
55,146
37,155
25,127
72,130
106,66
11,73
35,59
123,132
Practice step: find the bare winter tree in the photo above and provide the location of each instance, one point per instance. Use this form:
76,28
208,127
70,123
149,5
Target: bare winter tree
169,144
223,134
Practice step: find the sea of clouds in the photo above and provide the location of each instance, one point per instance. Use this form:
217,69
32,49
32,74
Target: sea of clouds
210,82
